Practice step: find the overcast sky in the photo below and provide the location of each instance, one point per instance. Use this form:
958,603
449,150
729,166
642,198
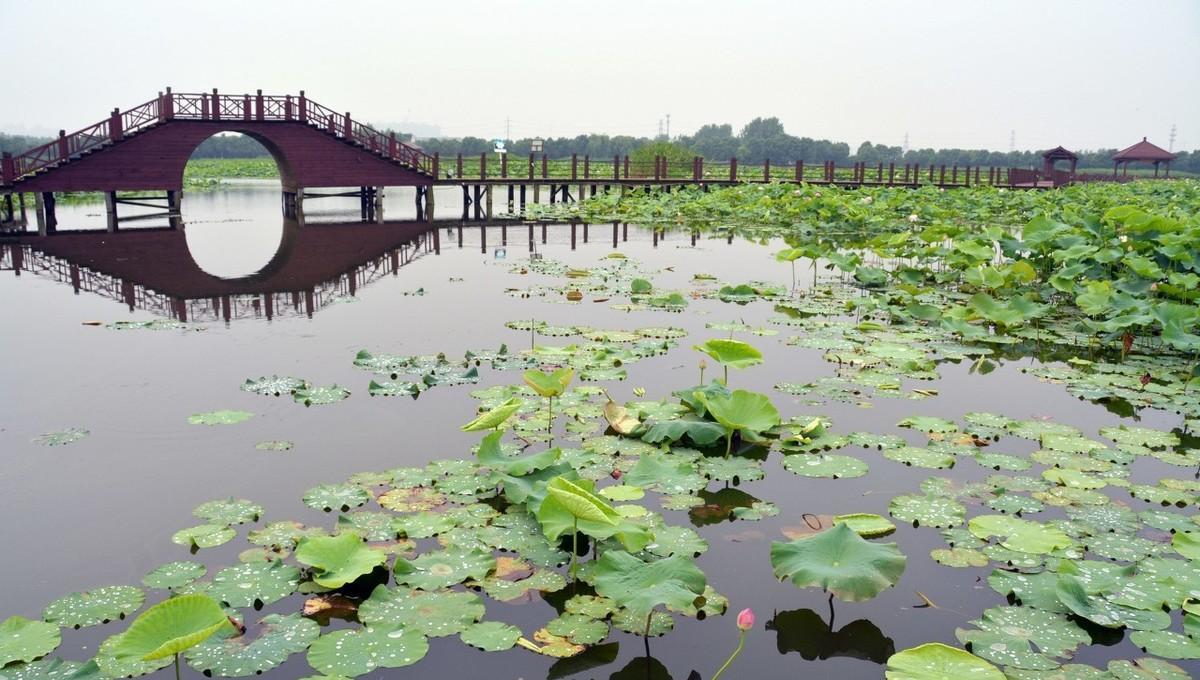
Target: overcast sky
955,73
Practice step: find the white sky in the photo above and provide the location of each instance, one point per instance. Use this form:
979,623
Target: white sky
961,73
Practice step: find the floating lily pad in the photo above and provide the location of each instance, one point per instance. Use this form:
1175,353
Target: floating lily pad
840,561
61,437
1052,633
174,575
274,385
936,661
959,557
442,569
866,524
257,583
204,536
1167,644
228,511
279,637
316,396
491,636
24,640
94,607
220,417
577,628
828,465
351,653
919,457
329,497
932,511
434,614
338,560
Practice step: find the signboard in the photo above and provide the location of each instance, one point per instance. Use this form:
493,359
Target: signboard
536,146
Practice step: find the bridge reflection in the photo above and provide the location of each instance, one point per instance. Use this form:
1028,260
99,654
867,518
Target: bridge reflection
152,270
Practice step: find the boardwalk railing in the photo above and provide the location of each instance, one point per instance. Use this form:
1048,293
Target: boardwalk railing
212,106
513,169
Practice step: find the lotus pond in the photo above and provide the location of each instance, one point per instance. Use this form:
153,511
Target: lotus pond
917,433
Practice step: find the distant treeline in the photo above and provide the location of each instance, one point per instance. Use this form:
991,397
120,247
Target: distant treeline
760,139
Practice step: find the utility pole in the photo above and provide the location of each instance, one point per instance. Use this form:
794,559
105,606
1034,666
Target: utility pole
1012,141
669,127
1171,144
905,149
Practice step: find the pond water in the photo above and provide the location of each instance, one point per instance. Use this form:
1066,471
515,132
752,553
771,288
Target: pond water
101,511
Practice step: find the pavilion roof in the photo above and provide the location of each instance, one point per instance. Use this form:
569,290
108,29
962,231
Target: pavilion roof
1144,151
1059,152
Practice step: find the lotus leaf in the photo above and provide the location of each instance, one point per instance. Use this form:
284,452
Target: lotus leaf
577,628
338,560
393,389
351,653
61,437
733,353
1020,535
274,385
551,384
257,584
413,499
1052,633
220,417
94,607
24,640
311,396
930,511
445,568
495,417
229,511
749,413
936,661
1005,650
491,636
840,561
866,524
435,614
491,455
919,457
329,497
168,628
640,586
1167,644
832,466
959,557
280,636
657,624
174,575
204,536
1098,610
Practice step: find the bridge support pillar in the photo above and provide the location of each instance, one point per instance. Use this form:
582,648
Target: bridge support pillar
110,211
47,223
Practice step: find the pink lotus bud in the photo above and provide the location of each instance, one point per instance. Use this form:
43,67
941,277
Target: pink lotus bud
745,619
616,474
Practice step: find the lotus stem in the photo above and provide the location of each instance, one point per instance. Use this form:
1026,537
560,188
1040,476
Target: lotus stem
574,548
176,665
646,634
726,367
738,650
728,444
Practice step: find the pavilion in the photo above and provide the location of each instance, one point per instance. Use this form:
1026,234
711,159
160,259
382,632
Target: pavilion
1143,152
1056,154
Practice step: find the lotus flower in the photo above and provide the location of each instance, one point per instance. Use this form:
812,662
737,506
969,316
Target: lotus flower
745,619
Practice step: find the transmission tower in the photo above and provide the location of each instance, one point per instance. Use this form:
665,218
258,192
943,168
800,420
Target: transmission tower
668,127
1171,144
1012,141
905,150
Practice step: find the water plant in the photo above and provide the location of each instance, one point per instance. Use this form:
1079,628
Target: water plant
549,385
164,631
728,353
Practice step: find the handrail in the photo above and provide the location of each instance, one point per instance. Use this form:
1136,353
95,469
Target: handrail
213,106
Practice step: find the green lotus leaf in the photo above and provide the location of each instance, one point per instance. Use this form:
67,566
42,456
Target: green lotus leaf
338,560
491,636
936,661
435,614
174,575
929,424
676,540
1071,592
577,500
1020,535
491,455
1167,644
170,627
279,637
61,437
549,384
623,492
393,389
317,396
51,668
828,465
698,432
866,524
730,469
1140,436
257,583
1121,547
932,511
840,561
1005,650
590,606
1052,633
22,639
542,580
329,497
424,524
1186,544
220,417
667,473
94,607
631,622
747,412
914,456
756,511
494,417
416,498
577,628
371,526
274,385
445,568
351,653
228,511
959,557
204,536
640,586
282,535
734,353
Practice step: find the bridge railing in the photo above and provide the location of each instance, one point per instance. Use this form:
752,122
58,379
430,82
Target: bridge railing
211,106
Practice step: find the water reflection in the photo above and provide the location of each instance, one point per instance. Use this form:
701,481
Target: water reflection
804,631
155,270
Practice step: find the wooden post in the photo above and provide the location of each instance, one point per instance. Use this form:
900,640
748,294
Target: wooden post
891,173
733,169
115,133
303,108
63,149
245,107
110,210
879,173
953,175
347,127
767,170
616,166
627,167
799,173
458,168
216,105
258,105
483,166
587,167
504,165
544,167
168,105
574,166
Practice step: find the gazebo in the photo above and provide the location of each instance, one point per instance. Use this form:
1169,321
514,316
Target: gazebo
1143,152
1054,155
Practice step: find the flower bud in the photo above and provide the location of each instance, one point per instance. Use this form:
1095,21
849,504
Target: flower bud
745,619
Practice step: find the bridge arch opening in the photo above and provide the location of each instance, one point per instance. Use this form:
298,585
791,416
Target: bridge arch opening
239,173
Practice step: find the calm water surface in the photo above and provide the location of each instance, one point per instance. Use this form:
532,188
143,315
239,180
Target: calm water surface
101,511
